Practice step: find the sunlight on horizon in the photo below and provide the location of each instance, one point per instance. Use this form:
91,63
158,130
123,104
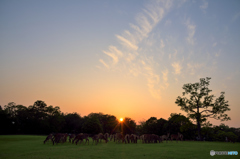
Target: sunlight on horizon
121,119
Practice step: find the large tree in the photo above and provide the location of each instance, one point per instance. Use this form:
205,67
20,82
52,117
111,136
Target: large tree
200,104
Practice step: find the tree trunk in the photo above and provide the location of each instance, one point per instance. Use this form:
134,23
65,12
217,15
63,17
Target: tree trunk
198,124
199,129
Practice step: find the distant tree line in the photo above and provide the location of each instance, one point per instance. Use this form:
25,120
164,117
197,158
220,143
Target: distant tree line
41,119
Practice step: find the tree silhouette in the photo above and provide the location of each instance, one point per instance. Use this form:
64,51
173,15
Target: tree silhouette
200,104
128,126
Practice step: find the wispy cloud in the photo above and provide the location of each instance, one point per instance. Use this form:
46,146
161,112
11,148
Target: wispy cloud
100,60
153,79
168,23
193,67
191,31
162,45
177,67
130,53
214,44
148,49
114,53
127,43
173,55
165,77
218,53
204,6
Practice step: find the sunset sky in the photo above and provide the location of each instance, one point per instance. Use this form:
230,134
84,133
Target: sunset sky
124,58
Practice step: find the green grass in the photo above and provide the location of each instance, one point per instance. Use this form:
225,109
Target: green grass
26,146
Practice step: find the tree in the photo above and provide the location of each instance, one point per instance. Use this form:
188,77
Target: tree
208,131
73,123
109,122
151,126
21,120
5,122
54,121
162,126
200,104
91,125
180,123
128,126
141,128
11,109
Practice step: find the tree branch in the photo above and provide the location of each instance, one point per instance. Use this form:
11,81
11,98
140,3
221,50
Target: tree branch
206,111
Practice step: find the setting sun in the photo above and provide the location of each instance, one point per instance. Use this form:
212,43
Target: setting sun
121,119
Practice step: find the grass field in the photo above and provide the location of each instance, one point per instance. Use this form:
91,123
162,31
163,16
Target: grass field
26,146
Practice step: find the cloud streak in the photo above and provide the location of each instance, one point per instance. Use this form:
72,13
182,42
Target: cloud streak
165,78
194,67
204,6
127,43
177,67
114,53
130,53
191,31
142,52
106,65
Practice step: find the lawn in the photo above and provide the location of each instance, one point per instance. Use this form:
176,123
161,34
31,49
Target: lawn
26,146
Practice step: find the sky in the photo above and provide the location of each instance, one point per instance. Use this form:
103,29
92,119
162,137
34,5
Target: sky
123,58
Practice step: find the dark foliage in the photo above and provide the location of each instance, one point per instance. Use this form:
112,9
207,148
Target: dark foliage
42,119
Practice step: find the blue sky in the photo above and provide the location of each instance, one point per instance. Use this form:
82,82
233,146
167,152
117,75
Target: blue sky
126,58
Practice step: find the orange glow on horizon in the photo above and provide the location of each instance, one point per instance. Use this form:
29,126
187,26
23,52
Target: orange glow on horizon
121,119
